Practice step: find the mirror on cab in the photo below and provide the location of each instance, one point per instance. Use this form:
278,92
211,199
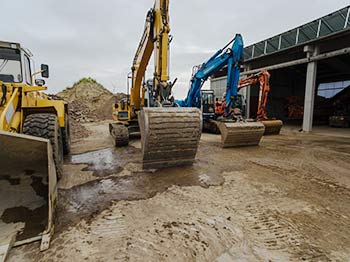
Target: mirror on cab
40,82
45,70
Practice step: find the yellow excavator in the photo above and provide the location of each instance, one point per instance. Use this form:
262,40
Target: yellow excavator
169,134
34,136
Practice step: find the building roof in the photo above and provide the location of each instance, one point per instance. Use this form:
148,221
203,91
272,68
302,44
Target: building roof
330,24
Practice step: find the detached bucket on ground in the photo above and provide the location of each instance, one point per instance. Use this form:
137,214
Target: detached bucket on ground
169,136
236,134
28,191
272,127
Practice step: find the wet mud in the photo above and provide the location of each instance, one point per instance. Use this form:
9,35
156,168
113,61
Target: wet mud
11,180
285,200
91,198
35,220
104,162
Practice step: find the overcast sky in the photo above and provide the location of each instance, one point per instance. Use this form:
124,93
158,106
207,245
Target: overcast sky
79,38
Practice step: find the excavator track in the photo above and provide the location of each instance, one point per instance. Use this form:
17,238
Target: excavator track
241,133
169,136
272,127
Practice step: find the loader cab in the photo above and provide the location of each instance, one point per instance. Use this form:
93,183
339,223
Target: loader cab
207,104
16,66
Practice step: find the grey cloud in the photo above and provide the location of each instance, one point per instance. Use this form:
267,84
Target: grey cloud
98,38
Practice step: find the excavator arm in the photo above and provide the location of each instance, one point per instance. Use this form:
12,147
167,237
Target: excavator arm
169,135
272,126
235,131
155,40
263,78
226,56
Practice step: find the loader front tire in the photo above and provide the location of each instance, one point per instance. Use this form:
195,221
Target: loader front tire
46,126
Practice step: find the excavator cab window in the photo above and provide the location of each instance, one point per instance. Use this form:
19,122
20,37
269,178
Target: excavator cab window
208,102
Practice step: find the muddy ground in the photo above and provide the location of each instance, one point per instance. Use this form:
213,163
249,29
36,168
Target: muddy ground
288,199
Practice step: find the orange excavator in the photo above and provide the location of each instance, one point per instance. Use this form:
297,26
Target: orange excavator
272,126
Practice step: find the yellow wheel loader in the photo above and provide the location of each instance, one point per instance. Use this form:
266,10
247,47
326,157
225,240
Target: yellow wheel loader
169,134
34,136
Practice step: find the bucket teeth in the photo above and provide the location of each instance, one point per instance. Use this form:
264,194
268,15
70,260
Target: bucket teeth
169,136
236,134
272,127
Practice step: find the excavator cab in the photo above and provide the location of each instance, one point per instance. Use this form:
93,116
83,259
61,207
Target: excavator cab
208,104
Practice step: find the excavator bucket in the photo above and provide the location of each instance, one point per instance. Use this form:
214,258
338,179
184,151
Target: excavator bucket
28,191
272,127
241,133
169,136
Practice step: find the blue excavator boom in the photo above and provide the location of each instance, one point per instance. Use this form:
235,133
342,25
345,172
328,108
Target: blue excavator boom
235,131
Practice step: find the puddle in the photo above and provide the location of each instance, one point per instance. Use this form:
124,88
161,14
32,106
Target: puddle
106,161
84,200
23,200
35,220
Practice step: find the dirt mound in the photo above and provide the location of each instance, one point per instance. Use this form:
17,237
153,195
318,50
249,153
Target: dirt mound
88,101
87,91
104,112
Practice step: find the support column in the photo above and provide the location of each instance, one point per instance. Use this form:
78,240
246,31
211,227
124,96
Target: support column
247,96
310,88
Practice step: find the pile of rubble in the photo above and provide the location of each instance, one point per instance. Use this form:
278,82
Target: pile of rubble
88,101
80,112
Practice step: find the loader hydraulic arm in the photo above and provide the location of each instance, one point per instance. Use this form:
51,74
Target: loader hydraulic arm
263,78
155,38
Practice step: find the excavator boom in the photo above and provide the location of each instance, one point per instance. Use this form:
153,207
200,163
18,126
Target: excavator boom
234,132
169,134
272,126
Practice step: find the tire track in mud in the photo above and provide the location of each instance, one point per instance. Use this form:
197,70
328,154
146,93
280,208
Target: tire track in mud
269,229
277,233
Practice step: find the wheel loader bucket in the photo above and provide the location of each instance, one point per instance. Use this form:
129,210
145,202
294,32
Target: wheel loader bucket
169,136
236,134
28,191
272,127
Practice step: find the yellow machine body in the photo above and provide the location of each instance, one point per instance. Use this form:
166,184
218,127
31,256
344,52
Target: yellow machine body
150,110
28,178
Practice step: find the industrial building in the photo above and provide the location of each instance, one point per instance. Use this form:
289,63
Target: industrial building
310,71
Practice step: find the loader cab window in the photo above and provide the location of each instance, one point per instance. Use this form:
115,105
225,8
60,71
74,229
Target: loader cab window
28,71
10,65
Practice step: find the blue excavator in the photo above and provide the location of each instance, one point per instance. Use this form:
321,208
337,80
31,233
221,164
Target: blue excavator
234,128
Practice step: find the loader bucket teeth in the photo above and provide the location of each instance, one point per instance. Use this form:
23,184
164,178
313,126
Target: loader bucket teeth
236,134
169,136
27,188
272,127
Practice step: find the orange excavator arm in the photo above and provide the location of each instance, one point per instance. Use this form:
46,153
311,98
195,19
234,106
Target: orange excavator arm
263,78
